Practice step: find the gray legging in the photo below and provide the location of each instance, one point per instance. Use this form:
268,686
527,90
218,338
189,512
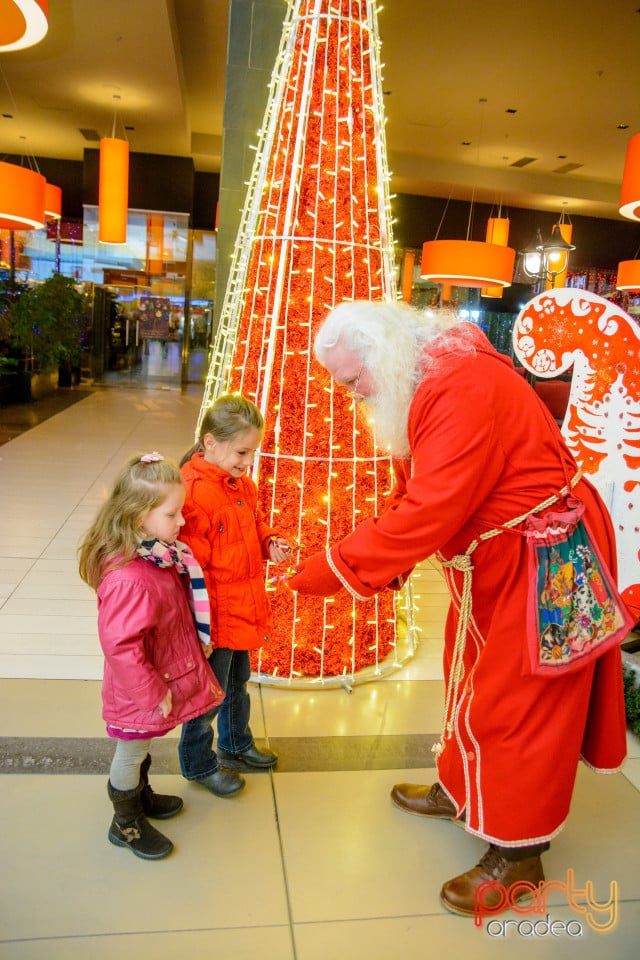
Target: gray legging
125,766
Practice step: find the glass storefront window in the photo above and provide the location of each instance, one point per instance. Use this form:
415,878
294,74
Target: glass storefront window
151,298
146,279
40,253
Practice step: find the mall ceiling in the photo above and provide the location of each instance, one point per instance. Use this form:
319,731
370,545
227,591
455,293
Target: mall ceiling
525,105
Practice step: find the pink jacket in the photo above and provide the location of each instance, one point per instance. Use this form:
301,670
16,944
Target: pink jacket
150,644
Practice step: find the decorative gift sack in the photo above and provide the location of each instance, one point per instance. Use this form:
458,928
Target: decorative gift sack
575,612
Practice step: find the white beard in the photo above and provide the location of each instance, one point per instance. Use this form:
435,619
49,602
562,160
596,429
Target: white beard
398,374
387,417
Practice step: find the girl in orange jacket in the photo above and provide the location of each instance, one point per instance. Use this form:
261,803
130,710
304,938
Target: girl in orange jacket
231,541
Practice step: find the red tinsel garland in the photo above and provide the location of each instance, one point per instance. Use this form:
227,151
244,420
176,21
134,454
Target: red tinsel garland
320,239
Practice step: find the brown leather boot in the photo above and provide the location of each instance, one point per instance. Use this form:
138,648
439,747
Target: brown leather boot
459,895
423,801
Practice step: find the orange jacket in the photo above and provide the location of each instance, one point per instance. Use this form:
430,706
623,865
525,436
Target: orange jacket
230,540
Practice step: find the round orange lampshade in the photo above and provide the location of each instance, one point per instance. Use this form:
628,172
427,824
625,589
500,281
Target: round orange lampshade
467,263
23,23
628,275
21,198
630,189
113,193
52,201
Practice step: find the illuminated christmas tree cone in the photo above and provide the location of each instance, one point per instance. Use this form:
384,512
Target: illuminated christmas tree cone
315,230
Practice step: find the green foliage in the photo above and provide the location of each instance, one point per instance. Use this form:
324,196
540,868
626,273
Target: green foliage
48,323
10,292
632,699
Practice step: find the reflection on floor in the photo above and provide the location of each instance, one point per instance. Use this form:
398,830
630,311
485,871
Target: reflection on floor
156,363
16,418
309,861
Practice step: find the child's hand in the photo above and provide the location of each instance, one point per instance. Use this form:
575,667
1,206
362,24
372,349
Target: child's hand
165,705
207,649
279,550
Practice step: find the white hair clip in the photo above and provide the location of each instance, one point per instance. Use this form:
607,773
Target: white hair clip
151,457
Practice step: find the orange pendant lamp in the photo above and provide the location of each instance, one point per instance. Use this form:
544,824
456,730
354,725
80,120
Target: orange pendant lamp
497,232
155,243
470,263
22,198
23,23
630,189
408,264
467,263
52,201
113,190
628,275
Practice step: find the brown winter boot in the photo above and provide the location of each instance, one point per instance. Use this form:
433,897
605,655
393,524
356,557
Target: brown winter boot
158,806
130,828
459,895
423,801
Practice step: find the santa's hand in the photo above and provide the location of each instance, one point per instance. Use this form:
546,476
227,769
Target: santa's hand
314,577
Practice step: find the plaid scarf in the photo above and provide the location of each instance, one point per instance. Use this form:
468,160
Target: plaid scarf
179,555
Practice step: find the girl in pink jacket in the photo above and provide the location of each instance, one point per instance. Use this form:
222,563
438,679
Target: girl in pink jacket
151,598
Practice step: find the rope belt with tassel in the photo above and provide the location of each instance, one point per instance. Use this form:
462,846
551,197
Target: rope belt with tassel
462,562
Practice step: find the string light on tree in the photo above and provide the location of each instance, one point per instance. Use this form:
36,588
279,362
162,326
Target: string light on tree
315,230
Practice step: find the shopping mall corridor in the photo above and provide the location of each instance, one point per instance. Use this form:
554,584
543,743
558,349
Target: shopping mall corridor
308,862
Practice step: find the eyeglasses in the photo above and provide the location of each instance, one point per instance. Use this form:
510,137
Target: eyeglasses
352,385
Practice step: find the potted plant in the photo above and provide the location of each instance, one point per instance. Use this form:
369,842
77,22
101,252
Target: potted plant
48,325
14,380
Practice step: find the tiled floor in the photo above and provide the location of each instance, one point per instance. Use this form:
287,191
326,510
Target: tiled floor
309,862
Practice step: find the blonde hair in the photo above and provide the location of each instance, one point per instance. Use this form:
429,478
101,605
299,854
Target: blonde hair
113,537
227,416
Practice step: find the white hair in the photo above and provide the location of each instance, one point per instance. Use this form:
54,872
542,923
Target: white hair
390,338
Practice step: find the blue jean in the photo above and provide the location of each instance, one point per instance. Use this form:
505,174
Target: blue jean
197,756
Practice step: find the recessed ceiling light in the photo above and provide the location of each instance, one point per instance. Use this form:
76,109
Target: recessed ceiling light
511,110
623,126
568,168
466,143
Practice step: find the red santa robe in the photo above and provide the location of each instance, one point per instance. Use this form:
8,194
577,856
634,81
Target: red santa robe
484,451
